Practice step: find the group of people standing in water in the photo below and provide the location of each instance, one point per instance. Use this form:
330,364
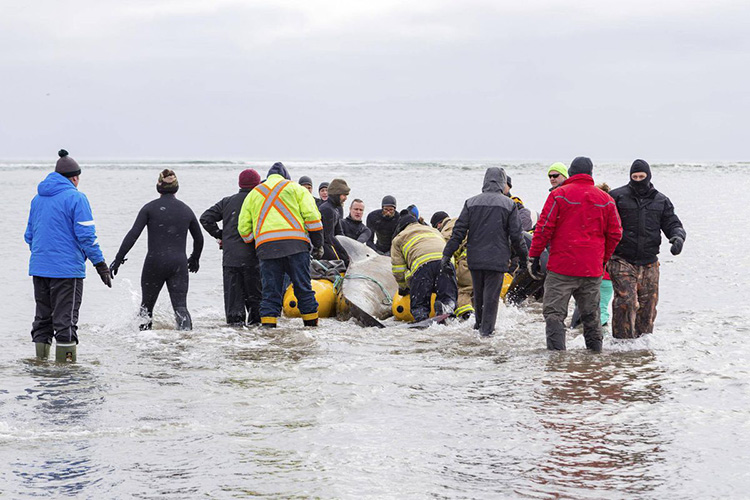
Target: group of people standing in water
272,228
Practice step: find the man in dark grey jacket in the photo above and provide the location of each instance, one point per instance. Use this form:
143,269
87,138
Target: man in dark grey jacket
242,283
491,220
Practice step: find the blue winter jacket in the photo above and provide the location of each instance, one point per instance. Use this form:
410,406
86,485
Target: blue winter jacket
61,231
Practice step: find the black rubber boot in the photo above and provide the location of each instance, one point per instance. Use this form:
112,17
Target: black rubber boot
594,345
310,322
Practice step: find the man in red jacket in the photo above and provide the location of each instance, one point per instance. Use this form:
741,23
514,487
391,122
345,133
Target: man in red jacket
581,225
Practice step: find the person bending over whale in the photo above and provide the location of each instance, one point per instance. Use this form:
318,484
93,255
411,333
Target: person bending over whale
168,221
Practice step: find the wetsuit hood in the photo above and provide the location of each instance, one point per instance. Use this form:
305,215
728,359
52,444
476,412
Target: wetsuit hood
494,180
404,221
643,188
280,169
53,184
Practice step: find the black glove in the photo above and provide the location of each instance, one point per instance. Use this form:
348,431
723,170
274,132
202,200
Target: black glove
677,243
523,263
445,263
534,267
404,292
193,264
317,253
115,266
103,271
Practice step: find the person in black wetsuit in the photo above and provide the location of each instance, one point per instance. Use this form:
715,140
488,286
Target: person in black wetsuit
331,213
323,193
242,283
352,225
168,220
383,224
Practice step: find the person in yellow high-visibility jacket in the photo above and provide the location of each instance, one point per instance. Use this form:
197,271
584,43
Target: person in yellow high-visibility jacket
416,252
281,218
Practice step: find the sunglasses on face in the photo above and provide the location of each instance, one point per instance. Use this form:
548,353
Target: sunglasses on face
554,176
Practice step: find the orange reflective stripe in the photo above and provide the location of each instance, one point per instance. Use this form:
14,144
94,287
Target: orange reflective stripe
286,213
314,225
270,199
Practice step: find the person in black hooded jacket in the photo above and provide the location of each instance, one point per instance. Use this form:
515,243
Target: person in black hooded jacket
331,213
634,268
492,223
242,283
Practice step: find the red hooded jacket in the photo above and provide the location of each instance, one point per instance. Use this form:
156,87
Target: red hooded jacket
581,224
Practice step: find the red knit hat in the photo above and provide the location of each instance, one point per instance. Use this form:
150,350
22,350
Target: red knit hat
249,178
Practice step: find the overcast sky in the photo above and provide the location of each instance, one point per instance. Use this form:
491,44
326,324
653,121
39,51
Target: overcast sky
375,79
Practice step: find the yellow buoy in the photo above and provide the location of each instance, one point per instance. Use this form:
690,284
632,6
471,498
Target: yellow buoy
324,294
402,307
507,280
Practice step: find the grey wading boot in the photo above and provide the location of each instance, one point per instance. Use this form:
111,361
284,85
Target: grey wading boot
65,353
42,350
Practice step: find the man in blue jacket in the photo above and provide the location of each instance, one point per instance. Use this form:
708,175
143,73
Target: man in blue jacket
61,236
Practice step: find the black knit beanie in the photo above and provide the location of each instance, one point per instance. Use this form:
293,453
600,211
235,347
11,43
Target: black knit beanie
388,201
581,165
437,218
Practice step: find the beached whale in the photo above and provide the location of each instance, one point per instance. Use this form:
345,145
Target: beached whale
367,290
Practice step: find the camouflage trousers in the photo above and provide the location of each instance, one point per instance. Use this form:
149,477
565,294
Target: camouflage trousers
636,295
465,288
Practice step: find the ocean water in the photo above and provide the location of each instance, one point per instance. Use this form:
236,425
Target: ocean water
347,412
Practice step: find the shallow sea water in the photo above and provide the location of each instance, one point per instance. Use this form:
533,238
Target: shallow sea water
344,412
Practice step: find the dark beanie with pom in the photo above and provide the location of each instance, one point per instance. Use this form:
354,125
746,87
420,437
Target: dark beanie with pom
66,165
249,178
167,182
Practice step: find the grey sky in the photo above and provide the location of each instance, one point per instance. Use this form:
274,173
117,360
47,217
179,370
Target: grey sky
375,79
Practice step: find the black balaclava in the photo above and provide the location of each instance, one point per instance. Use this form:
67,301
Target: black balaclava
643,187
581,165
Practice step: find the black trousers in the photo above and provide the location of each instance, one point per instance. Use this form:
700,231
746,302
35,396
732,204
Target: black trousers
487,288
428,280
57,303
242,294
175,275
